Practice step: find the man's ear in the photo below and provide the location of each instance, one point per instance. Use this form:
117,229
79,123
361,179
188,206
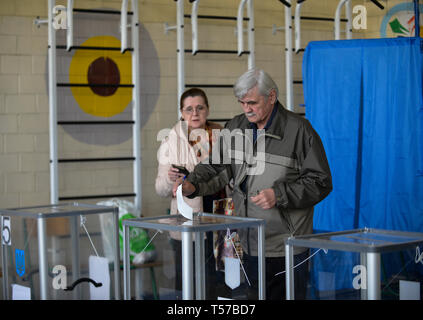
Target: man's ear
272,96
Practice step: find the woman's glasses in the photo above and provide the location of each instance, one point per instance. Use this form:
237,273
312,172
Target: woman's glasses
198,109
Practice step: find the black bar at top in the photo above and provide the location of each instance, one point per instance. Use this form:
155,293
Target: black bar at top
94,85
99,11
95,122
98,196
93,48
297,81
96,159
215,17
209,85
217,51
319,19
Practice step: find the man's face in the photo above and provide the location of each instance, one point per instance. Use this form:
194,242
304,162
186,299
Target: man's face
258,108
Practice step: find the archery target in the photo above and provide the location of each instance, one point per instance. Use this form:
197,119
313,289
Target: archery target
101,68
107,67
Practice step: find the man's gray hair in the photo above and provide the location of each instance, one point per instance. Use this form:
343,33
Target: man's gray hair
255,77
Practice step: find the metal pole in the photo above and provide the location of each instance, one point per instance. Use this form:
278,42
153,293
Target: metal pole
136,106
52,101
42,257
363,262
338,18
69,27
348,13
180,50
288,58
261,251
251,44
297,31
200,280
117,254
239,26
194,26
289,274
4,261
187,286
126,264
373,276
124,26
74,230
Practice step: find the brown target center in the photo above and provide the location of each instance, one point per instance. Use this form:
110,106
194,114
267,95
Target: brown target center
103,76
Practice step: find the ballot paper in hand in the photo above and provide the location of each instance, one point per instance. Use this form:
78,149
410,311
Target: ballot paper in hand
183,207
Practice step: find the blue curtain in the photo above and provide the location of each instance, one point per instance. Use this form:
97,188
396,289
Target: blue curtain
364,98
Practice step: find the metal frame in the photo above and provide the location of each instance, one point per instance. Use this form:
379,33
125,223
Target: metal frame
288,41
288,36
188,230
136,107
180,50
41,213
348,13
369,252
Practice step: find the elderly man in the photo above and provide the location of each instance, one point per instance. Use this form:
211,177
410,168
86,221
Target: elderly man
279,178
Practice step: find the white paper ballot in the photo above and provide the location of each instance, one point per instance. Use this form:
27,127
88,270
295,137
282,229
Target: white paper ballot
183,207
232,272
20,292
99,272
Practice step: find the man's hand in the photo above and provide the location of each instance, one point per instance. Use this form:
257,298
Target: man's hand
265,199
187,187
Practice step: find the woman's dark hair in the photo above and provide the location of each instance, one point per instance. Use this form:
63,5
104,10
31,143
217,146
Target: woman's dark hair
193,92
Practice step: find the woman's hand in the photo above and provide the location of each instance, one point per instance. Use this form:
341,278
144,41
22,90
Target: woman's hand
174,174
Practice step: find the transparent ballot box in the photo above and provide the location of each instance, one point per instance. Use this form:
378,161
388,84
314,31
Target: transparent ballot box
358,264
191,263
58,252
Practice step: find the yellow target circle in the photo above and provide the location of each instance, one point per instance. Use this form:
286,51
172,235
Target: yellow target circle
100,72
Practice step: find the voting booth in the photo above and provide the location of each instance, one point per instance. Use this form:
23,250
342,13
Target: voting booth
372,251
193,234
56,252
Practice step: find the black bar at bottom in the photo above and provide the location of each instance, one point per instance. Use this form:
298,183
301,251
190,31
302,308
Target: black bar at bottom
98,196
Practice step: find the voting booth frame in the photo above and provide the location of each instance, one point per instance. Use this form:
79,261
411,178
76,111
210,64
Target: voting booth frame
26,233
190,230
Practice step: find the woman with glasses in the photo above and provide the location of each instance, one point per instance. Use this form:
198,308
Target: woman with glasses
189,142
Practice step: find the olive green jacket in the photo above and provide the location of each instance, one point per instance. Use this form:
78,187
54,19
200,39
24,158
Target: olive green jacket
288,157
